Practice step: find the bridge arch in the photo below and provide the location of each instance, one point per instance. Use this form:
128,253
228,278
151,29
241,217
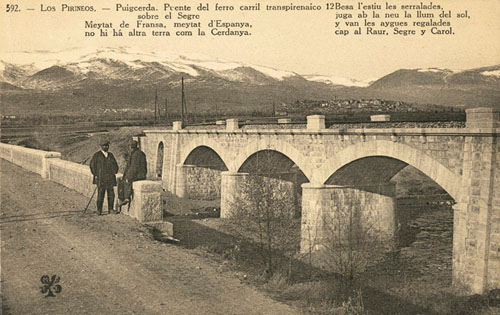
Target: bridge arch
448,180
208,143
279,146
200,170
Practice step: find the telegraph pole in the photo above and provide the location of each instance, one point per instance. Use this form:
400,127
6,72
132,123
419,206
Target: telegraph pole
183,106
156,104
186,115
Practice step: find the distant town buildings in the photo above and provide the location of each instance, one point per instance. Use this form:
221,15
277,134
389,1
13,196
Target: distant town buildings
351,106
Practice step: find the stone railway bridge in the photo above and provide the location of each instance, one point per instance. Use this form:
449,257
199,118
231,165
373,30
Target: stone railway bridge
342,168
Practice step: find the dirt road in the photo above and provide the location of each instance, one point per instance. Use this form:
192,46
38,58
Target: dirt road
107,264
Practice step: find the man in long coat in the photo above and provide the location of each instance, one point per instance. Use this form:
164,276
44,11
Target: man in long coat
135,170
104,168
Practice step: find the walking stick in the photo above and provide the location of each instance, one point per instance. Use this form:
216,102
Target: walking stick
90,200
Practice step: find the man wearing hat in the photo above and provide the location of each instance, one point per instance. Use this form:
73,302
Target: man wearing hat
104,167
136,169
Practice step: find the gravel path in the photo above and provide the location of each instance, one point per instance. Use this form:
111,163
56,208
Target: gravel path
107,265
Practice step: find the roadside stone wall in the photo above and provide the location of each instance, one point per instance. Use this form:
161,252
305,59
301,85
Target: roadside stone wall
147,203
6,151
72,175
33,160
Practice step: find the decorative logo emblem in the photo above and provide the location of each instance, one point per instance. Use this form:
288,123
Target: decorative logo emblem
50,285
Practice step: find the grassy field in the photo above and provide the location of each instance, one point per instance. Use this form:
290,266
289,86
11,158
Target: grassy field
415,278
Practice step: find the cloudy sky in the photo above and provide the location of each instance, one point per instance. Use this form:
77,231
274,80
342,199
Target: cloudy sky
302,42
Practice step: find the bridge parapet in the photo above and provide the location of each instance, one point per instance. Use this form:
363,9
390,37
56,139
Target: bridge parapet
472,131
33,160
483,117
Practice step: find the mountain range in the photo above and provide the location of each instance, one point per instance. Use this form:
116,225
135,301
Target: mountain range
115,78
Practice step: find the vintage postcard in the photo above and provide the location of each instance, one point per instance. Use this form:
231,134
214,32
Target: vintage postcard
250,157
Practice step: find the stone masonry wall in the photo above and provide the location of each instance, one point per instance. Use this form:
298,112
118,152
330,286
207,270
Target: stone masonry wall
75,176
235,188
326,209
202,183
170,156
475,237
494,219
146,204
308,150
6,151
33,160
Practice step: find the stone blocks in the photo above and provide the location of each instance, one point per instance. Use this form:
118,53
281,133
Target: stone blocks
232,124
146,204
164,227
36,161
476,218
197,182
325,205
177,125
180,182
72,175
6,151
316,122
243,191
231,186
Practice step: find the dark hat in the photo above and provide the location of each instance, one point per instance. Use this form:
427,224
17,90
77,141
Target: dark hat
104,142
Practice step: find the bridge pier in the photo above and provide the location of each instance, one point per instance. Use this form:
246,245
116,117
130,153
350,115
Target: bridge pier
476,226
328,208
247,189
232,184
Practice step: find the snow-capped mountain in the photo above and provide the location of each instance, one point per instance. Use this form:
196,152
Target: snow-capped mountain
440,78
11,73
118,66
337,81
121,77
493,73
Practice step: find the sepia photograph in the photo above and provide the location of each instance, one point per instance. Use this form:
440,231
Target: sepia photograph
250,157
